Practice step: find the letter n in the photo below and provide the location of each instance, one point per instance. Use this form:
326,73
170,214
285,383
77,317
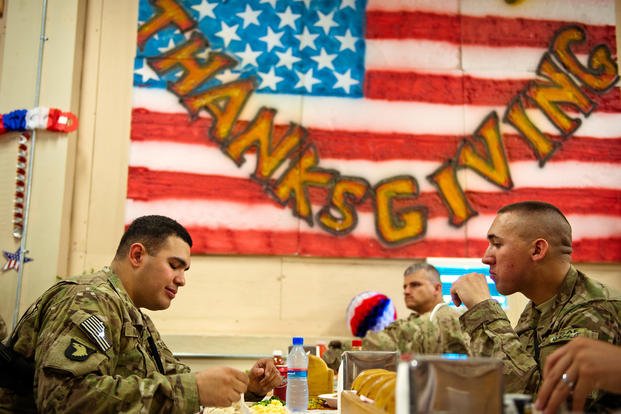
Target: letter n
259,134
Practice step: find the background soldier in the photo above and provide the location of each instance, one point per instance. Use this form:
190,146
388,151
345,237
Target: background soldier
433,327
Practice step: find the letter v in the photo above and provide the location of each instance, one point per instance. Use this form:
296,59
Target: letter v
491,165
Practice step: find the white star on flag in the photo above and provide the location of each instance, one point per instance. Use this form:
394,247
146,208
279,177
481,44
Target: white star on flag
344,80
146,72
287,59
326,21
307,80
272,39
347,41
205,9
269,79
228,33
288,18
306,39
248,57
250,16
324,60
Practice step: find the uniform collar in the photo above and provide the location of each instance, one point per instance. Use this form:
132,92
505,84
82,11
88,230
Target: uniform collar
117,285
564,294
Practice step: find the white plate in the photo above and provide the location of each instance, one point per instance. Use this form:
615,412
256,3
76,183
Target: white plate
330,399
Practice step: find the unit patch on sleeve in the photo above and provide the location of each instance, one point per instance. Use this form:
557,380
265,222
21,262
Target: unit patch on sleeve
96,330
77,351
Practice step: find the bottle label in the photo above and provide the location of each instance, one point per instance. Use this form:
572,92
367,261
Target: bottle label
293,373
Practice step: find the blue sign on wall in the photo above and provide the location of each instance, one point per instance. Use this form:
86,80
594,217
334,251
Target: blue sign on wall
452,268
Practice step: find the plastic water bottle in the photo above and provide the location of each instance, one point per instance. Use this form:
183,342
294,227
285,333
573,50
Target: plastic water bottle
297,377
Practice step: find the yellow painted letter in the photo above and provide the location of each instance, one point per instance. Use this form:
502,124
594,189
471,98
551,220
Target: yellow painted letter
398,227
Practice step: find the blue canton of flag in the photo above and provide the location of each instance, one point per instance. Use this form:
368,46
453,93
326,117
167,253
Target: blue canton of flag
303,47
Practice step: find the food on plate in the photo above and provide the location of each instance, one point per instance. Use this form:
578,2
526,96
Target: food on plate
273,405
378,385
364,376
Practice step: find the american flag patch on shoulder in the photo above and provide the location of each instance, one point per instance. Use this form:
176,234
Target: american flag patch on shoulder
96,330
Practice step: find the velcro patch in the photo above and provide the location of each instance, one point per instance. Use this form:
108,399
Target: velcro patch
77,351
96,330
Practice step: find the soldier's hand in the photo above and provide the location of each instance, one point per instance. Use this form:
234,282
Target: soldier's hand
263,377
588,365
220,386
470,289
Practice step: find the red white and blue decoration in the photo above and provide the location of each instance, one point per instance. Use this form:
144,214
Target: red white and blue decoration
13,259
370,311
51,119
24,120
20,185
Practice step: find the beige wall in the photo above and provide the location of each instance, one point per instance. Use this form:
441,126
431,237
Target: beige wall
230,305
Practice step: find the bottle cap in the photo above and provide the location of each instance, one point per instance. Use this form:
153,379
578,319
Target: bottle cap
356,342
298,340
277,352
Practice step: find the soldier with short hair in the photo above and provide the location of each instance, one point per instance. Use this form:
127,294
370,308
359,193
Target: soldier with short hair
92,349
432,328
529,251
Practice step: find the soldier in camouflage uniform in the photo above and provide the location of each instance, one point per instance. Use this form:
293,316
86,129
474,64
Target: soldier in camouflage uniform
2,329
529,252
95,351
432,327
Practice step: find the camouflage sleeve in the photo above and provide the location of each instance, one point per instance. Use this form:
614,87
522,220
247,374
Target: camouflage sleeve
78,373
2,329
491,335
417,335
453,338
384,340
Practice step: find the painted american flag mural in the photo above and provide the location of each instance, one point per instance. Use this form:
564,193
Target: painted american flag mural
379,128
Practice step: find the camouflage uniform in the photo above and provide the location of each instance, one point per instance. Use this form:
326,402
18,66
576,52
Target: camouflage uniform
87,366
2,329
582,307
418,334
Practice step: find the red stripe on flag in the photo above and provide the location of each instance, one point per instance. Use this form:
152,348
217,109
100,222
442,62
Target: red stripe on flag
474,30
154,126
458,90
226,241
147,185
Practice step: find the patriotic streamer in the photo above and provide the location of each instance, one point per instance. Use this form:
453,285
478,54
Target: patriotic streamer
20,185
50,119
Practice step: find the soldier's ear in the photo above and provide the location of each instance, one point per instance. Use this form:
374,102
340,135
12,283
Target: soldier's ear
539,249
137,252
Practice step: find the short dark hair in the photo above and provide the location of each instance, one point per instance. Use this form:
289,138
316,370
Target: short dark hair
551,221
430,269
152,232
533,207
